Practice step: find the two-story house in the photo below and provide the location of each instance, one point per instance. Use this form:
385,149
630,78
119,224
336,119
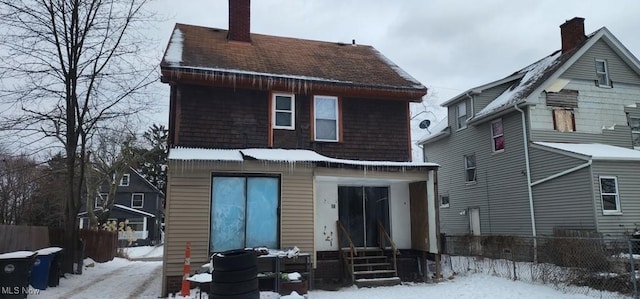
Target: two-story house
138,204
283,142
549,147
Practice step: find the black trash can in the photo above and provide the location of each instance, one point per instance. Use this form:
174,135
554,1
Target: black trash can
55,269
235,275
15,269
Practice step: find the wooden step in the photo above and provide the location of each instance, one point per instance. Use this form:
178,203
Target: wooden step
377,282
372,272
373,265
367,257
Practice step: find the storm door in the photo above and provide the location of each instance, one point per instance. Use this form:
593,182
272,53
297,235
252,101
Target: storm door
244,212
360,209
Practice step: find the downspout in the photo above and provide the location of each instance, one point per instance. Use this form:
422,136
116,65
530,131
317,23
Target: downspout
528,171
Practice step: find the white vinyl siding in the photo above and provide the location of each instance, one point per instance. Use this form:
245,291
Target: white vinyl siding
326,118
609,195
284,111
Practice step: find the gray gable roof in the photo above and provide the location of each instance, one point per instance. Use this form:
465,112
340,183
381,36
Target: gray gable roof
532,78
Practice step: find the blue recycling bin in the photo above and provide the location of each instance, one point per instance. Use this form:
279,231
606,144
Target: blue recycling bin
15,268
40,271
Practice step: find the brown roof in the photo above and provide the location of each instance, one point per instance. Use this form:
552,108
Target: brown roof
207,51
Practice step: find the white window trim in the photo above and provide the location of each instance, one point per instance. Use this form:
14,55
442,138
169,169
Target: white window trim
103,196
475,168
315,126
463,103
447,204
292,111
128,180
493,137
618,210
606,73
133,196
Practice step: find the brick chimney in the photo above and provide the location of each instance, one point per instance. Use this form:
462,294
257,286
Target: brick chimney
240,20
572,33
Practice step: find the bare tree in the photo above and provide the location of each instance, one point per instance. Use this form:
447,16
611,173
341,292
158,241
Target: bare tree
111,158
68,67
19,178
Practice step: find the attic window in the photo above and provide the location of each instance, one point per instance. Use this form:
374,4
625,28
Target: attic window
602,71
461,115
125,180
284,111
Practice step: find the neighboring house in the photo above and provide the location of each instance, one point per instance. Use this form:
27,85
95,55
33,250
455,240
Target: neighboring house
549,147
273,140
138,203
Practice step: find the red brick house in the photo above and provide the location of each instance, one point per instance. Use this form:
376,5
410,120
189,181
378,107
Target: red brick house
279,142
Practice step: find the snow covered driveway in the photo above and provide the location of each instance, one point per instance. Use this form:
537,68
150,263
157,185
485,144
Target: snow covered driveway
119,278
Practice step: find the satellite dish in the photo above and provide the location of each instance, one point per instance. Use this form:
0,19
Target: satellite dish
424,124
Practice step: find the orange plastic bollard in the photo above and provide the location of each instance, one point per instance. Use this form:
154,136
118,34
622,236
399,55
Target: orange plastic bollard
186,290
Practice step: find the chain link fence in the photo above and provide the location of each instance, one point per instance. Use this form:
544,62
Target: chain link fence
594,266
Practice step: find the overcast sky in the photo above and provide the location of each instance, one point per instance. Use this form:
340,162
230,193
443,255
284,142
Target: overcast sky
448,45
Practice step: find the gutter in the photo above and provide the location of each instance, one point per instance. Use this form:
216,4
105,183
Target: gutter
497,113
557,175
529,185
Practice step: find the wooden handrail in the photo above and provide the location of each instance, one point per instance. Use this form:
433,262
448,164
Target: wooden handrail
352,249
384,236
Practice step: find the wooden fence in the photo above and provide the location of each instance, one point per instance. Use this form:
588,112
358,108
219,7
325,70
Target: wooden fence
99,245
22,237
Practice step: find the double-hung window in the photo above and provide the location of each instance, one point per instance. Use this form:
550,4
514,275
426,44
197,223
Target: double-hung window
470,168
497,135
609,195
101,199
634,123
325,118
461,115
602,72
125,180
284,111
137,200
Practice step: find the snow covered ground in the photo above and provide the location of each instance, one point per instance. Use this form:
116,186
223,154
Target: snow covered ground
122,278
144,252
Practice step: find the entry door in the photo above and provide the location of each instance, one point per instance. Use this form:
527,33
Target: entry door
359,210
474,221
244,212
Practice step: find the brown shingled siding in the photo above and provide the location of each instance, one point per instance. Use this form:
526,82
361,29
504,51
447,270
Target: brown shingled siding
226,118
222,118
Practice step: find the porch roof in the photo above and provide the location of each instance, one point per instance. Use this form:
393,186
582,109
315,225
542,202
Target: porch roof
277,155
595,151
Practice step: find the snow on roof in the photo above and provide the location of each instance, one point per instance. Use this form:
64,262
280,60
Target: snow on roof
184,153
174,50
133,210
596,151
16,255
435,131
275,155
517,92
398,70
